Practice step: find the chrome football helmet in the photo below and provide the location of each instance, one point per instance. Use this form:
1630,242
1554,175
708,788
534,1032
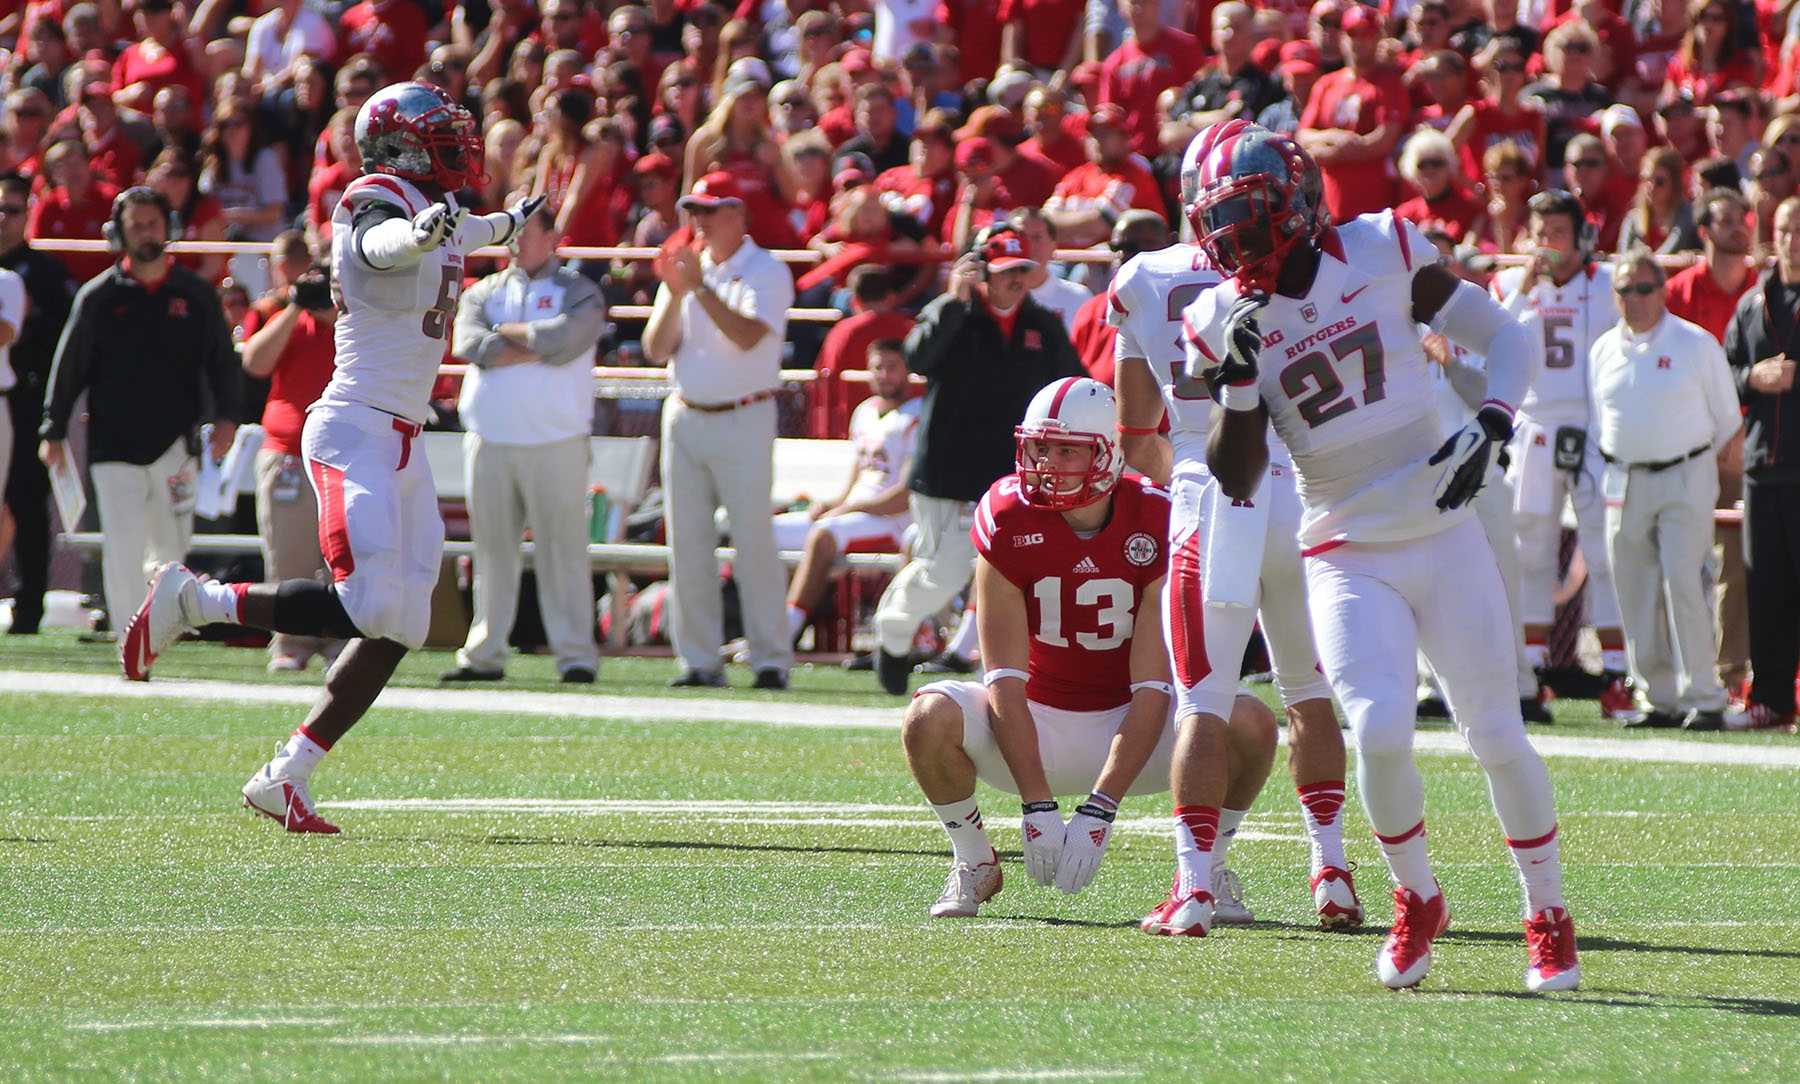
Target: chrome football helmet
1072,411
416,131
1257,195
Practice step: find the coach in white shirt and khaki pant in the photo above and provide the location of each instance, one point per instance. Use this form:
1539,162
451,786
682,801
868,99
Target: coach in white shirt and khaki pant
528,405
1664,406
718,323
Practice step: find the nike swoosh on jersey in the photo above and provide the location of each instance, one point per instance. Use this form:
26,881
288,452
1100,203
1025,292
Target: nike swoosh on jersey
1345,299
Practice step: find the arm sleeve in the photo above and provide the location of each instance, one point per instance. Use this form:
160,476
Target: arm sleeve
573,331
930,338
382,237
1721,392
1467,380
71,371
480,231
473,339
1472,320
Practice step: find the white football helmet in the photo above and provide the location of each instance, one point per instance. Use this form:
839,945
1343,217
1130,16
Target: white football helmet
1203,144
1072,411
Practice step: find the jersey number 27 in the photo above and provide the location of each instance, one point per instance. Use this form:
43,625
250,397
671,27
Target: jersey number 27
1313,384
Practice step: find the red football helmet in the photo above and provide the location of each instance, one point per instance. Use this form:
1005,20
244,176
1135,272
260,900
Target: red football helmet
416,131
1074,411
1259,194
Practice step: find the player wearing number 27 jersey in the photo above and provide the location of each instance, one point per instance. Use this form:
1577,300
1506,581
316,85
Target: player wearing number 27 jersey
1316,334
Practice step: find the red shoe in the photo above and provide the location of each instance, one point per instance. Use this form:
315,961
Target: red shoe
159,622
1334,896
1758,717
1180,916
1550,946
1618,700
1406,955
285,801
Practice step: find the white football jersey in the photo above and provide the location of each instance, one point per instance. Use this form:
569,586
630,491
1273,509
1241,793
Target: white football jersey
884,443
393,328
1347,384
1567,319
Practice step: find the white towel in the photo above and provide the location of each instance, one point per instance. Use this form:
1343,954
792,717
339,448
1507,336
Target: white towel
1533,469
1236,532
219,483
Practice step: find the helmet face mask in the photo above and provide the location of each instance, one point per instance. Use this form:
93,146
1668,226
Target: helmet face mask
416,131
1237,229
1259,194
1048,477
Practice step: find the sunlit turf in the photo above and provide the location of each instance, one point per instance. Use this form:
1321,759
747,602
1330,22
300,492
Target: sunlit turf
151,928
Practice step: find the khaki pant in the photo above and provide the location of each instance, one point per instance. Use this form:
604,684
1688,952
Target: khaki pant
728,459
287,519
1659,538
147,517
942,564
542,488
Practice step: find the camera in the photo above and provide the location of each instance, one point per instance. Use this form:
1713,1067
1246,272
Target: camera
312,291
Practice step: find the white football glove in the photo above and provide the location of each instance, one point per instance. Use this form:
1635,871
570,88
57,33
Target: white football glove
1464,459
1042,830
437,223
521,211
1084,845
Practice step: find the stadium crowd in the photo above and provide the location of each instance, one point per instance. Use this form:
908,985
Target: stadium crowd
891,137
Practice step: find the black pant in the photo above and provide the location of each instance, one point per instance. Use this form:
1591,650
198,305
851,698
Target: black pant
1772,582
28,498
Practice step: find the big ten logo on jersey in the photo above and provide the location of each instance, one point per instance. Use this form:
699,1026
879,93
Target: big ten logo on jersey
1096,614
1035,538
1312,379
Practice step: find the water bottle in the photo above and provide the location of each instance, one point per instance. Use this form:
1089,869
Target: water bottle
599,518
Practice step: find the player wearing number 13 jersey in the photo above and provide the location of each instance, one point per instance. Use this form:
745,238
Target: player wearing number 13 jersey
397,259
1076,698
1316,333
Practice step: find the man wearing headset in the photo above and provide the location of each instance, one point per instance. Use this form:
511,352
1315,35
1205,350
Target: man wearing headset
148,342
1566,301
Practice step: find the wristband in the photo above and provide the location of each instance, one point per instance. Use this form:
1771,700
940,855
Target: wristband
1240,397
1139,430
1001,673
1099,807
1028,808
1162,687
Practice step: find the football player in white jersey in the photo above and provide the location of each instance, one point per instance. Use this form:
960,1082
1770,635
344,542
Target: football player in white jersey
398,243
1316,333
1566,301
1249,549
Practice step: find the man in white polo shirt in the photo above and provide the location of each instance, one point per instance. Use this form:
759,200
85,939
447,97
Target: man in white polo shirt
528,405
718,323
1664,405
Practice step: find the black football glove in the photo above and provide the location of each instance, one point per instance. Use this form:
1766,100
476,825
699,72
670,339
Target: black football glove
311,291
1465,457
1243,340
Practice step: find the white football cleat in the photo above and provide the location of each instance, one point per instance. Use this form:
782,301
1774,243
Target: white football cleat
167,612
967,888
1334,897
1228,899
1550,946
1405,956
286,801
1184,916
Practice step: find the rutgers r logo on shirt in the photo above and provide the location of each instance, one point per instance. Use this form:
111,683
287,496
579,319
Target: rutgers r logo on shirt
178,308
1662,362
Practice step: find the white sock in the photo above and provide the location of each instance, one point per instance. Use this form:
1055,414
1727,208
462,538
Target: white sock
1613,659
1196,833
217,603
1540,871
297,758
1538,655
1320,804
969,843
1229,819
962,641
796,620
1408,862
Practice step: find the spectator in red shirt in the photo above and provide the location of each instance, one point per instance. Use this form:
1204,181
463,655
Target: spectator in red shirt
1056,136
1090,199
1587,174
1442,83
1616,58
1660,218
23,127
925,187
981,196
115,157
1707,293
160,58
974,27
846,347
1733,122
1511,179
1029,179
1324,28
393,32
1503,114
288,342
1428,163
1045,34
326,186
1354,119
1711,57
736,139
198,217
75,205
1156,58
1626,140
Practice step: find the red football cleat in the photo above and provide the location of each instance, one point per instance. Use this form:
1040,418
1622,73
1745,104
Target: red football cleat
1617,700
285,801
1406,955
1550,946
1334,896
159,622
1180,916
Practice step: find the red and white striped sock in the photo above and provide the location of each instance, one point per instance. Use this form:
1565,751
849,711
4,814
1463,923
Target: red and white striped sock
299,756
1196,831
1408,861
1540,870
1320,804
969,842
217,603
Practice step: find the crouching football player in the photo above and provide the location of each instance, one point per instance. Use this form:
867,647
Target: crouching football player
1076,698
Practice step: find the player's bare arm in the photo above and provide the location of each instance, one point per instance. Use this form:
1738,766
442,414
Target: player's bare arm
1151,692
1006,649
1140,416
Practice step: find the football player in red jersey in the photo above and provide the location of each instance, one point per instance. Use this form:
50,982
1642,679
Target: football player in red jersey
1076,698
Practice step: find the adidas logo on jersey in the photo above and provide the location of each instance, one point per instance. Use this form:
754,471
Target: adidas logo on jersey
1087,566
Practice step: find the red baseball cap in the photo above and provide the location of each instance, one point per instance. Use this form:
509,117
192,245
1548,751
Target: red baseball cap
655,164
1005,250
1362,19
973,151
1265,54
718,189
1300,50
856,61
1106,116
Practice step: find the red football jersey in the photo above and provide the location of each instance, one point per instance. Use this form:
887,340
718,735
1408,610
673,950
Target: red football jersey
1082,595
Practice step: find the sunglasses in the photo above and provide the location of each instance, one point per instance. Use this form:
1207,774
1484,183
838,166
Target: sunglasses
1433,163
1641,289
1508,67
1589,163
1578,47
1660,181
1331,24
1507,178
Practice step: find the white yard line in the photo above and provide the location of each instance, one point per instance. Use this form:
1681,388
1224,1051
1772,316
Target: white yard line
246,1023
1779,753
957,1075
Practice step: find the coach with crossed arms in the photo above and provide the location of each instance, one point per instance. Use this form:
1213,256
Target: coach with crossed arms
718,324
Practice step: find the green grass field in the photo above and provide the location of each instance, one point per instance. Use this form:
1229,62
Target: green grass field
557,894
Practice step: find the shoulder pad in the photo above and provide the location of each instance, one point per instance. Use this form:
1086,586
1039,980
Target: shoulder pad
379,187
1382,244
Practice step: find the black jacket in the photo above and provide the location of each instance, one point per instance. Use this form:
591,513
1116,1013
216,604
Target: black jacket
978,386
155,362
1762,327
48,293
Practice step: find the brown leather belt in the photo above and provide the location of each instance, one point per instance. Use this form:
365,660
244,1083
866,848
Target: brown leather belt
720,408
